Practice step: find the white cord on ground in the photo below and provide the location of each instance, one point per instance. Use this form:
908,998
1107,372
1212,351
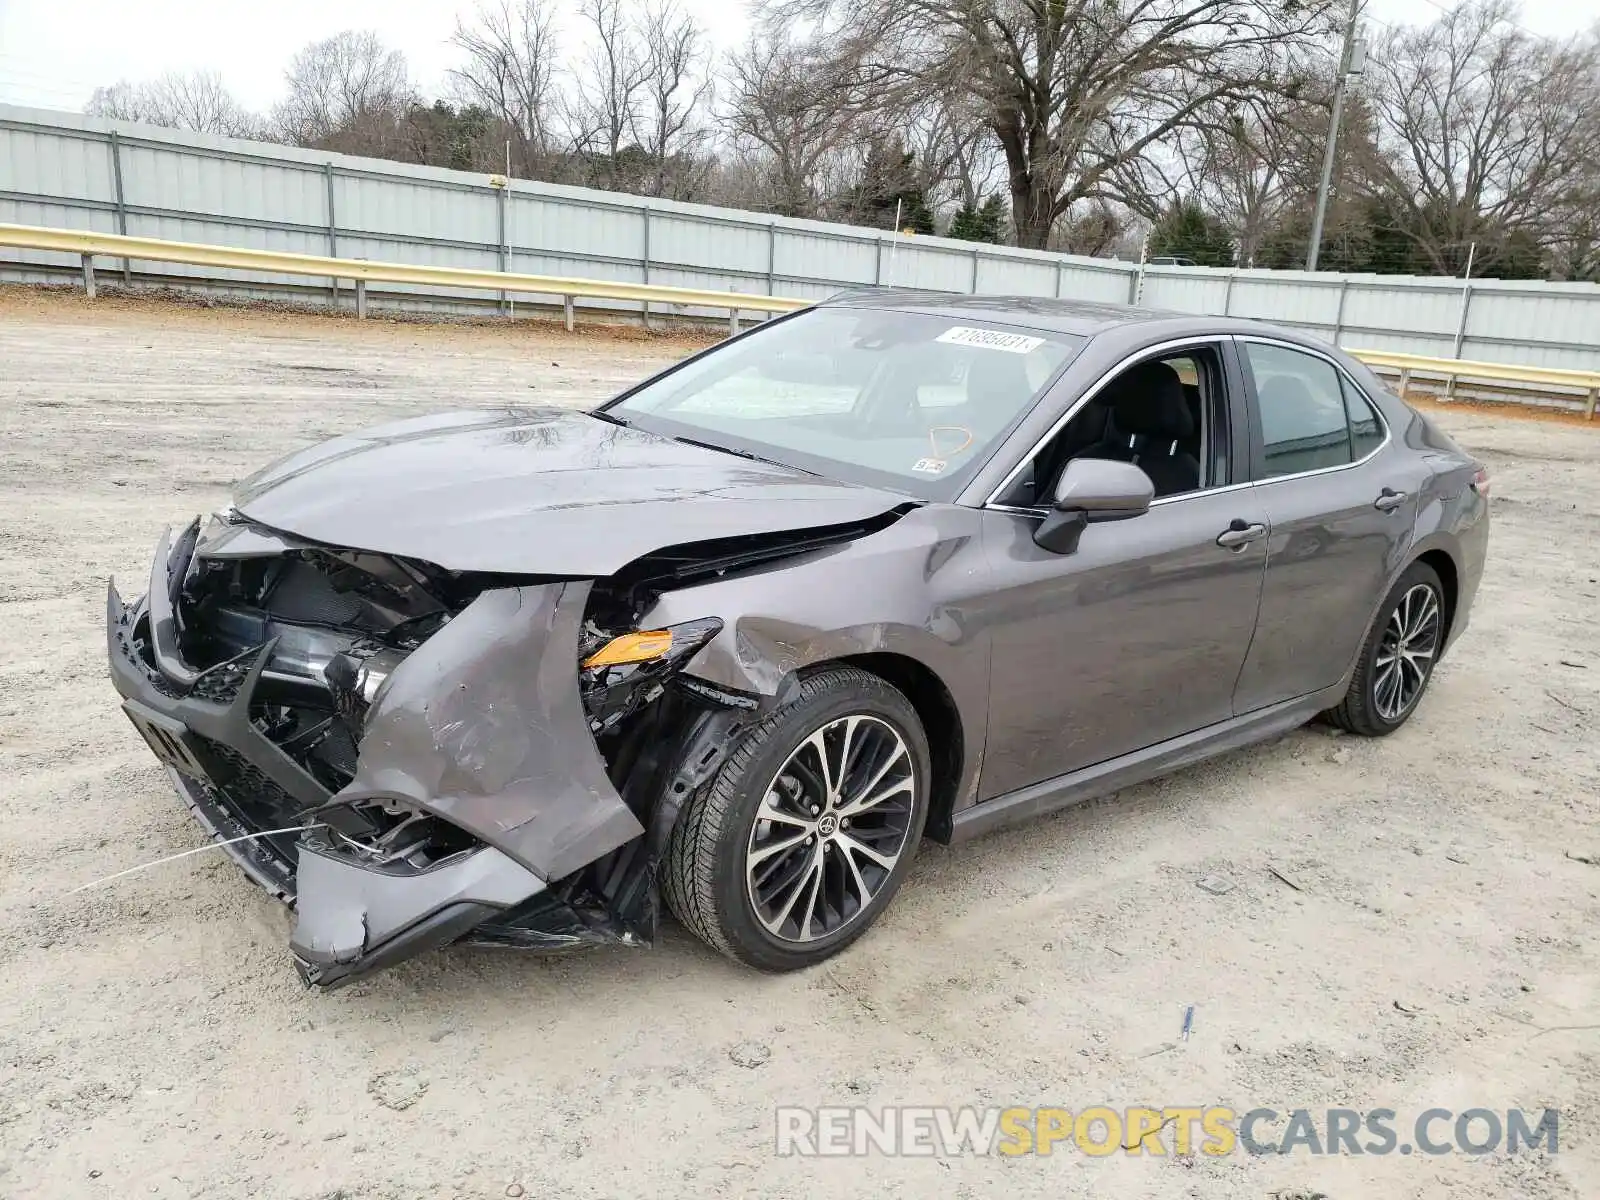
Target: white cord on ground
186,853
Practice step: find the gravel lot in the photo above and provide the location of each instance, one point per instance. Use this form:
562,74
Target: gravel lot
1442,949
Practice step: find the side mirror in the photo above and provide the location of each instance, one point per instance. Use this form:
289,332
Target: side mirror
1092,489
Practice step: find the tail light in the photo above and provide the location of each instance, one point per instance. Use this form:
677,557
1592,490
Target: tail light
1480,482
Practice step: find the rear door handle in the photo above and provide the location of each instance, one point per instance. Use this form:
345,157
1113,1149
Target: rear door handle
1240,533
1388,500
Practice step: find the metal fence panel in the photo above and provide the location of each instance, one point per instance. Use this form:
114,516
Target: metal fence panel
40,163
414,211
1105,285
1203,290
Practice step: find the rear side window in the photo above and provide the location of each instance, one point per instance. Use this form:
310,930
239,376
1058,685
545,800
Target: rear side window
1305,424
1366,430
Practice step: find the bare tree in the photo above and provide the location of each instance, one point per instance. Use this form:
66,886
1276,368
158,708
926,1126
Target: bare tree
1250,163
608,92
793,102
348,92
1094,228
1072,89
510,72
197,101
676,93
1487,128
957,156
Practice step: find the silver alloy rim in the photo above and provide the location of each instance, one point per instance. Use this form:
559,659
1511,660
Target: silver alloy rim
832,826
1405,653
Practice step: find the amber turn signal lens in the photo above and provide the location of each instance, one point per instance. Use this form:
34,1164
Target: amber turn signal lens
631,648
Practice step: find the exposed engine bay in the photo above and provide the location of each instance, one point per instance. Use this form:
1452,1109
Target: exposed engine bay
411,756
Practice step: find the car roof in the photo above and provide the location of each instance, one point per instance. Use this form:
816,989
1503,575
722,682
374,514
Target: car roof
1083,318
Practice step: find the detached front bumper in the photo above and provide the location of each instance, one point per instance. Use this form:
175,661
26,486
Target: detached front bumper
482,727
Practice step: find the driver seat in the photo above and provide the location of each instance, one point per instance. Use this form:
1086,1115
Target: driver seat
1150,423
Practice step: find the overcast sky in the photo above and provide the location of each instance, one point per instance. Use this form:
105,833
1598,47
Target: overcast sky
53,53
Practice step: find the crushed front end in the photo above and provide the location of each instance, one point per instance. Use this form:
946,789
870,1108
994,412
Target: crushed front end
409,756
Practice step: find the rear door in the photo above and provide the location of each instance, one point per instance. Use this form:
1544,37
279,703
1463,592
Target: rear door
1340,499
1138,635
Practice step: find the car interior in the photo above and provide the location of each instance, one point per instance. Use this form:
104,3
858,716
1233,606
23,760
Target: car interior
1156,415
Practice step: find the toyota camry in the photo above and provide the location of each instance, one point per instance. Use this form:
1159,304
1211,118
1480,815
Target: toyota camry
899,565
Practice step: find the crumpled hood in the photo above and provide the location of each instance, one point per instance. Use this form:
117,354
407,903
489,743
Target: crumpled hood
537,491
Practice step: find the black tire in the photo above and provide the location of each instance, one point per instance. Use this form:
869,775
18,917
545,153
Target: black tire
703,874
1367,711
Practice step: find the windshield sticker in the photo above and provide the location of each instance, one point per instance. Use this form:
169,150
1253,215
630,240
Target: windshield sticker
930,466
989,339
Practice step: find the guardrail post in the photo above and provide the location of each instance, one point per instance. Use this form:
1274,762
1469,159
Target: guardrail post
974,270
1060,270
122,203
361,299
566,311
733,322
1405,380
1594,399
877,265
333,232
88,276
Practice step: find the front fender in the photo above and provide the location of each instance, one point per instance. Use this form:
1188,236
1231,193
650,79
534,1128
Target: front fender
908,590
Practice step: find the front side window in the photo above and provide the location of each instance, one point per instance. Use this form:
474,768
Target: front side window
1167,415
909,401
1304,426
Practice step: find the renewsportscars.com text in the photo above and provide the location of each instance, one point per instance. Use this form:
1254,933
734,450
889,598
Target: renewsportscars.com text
1159,1130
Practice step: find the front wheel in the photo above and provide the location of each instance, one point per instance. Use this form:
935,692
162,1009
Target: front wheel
1397,660
803,837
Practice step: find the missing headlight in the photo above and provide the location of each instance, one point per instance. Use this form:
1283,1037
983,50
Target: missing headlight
613,691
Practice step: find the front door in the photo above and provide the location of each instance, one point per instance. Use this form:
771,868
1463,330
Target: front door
1135,638
1139,634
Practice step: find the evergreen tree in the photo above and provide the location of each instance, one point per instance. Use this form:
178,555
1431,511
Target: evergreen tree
889,183
985,222
1187,231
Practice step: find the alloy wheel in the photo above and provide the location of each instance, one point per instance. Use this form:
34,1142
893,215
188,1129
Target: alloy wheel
832,826
1406,652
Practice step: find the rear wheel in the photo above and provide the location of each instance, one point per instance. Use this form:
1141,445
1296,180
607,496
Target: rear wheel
802,839
1397,660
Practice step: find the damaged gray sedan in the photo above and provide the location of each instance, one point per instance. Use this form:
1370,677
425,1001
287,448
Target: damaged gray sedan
897,565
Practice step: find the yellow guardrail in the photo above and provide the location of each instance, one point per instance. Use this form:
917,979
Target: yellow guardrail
88,245
111,245
1452,369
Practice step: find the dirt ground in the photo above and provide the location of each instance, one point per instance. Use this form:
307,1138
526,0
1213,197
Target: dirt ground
1441,948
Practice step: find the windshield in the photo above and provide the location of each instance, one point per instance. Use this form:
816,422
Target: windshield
907,401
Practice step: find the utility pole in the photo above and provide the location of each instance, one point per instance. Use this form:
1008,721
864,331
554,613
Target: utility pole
1351,61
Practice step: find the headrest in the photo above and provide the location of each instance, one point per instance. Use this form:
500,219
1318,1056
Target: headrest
999,379
1148,400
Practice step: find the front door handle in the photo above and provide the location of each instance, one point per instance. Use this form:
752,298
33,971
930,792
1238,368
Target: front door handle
1240,533
1388,500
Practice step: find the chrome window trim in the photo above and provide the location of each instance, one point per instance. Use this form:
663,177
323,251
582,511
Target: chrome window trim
1043,510
1089,393
1344,376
